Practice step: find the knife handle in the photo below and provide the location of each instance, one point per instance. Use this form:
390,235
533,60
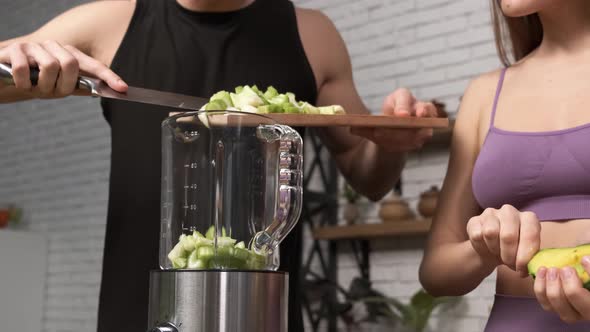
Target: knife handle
84,83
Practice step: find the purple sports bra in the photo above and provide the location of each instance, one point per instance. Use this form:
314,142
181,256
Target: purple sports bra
547,172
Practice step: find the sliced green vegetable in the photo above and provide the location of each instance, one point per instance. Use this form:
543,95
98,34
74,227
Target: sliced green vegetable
258,92
205,252
210,232
225,241
249,109
188,242
291,97
252,100
223,96
214,252
265,109
270,93
193,260
331,110
288,108
241,254
255,261
309,109
177,252
279,100
179,263
225,251
247,97
201,241
216,105
199,264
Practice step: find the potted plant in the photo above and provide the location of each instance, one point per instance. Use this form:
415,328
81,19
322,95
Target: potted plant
351,210
388,311
413,316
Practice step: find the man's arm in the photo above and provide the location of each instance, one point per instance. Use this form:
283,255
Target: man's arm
82,39
371,166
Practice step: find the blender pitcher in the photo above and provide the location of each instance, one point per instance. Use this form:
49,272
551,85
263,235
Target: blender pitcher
231,190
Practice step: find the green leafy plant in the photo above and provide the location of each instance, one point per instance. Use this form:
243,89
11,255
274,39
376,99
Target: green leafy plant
350,194
414,314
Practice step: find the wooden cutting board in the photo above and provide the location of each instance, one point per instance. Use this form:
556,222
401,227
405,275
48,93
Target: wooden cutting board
344,120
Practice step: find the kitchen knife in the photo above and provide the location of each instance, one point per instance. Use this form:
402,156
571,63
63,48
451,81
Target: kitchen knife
98,88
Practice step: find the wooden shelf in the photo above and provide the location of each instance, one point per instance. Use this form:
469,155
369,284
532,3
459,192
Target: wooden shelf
371,231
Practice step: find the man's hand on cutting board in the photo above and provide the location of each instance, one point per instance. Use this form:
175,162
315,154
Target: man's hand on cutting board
370,159
59,68
400,103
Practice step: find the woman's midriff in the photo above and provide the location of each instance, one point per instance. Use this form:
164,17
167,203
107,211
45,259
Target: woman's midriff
553,235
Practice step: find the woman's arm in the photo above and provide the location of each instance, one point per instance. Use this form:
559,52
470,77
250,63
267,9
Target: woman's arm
450,265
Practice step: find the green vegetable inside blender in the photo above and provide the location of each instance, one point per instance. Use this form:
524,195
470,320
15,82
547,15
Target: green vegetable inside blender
198,252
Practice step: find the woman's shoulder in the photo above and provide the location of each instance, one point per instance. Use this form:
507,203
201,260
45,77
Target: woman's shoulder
477,102
486,82
480,92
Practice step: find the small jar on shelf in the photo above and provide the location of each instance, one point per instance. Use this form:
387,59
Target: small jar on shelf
428,202
395,209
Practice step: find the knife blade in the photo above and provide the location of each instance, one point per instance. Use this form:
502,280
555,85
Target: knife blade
98,88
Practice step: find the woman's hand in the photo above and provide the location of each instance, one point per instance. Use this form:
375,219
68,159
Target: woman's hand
400,103
505,236
561,291
59,68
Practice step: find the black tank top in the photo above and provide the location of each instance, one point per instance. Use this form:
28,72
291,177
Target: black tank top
170,48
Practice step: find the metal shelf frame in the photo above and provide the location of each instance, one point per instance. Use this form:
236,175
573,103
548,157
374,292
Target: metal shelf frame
320,208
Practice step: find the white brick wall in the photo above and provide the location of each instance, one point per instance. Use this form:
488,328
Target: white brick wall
433,47
54,154
54,160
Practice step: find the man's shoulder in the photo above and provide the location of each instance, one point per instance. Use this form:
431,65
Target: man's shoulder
315,25
323,44
102,9
313,17
96,27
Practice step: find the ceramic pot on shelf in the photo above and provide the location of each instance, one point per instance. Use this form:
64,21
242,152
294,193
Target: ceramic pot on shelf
395,209
441,108
428,201
350,213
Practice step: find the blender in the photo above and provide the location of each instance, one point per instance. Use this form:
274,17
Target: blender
231,192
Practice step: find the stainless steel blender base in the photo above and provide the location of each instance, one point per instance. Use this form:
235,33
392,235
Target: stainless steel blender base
218,301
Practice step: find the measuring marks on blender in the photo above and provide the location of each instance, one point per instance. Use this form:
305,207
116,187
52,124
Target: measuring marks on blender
189,185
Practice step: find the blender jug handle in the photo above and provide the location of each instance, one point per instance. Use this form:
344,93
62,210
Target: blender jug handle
289,190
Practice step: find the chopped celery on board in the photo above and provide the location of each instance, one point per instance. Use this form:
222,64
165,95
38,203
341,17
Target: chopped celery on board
252,100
